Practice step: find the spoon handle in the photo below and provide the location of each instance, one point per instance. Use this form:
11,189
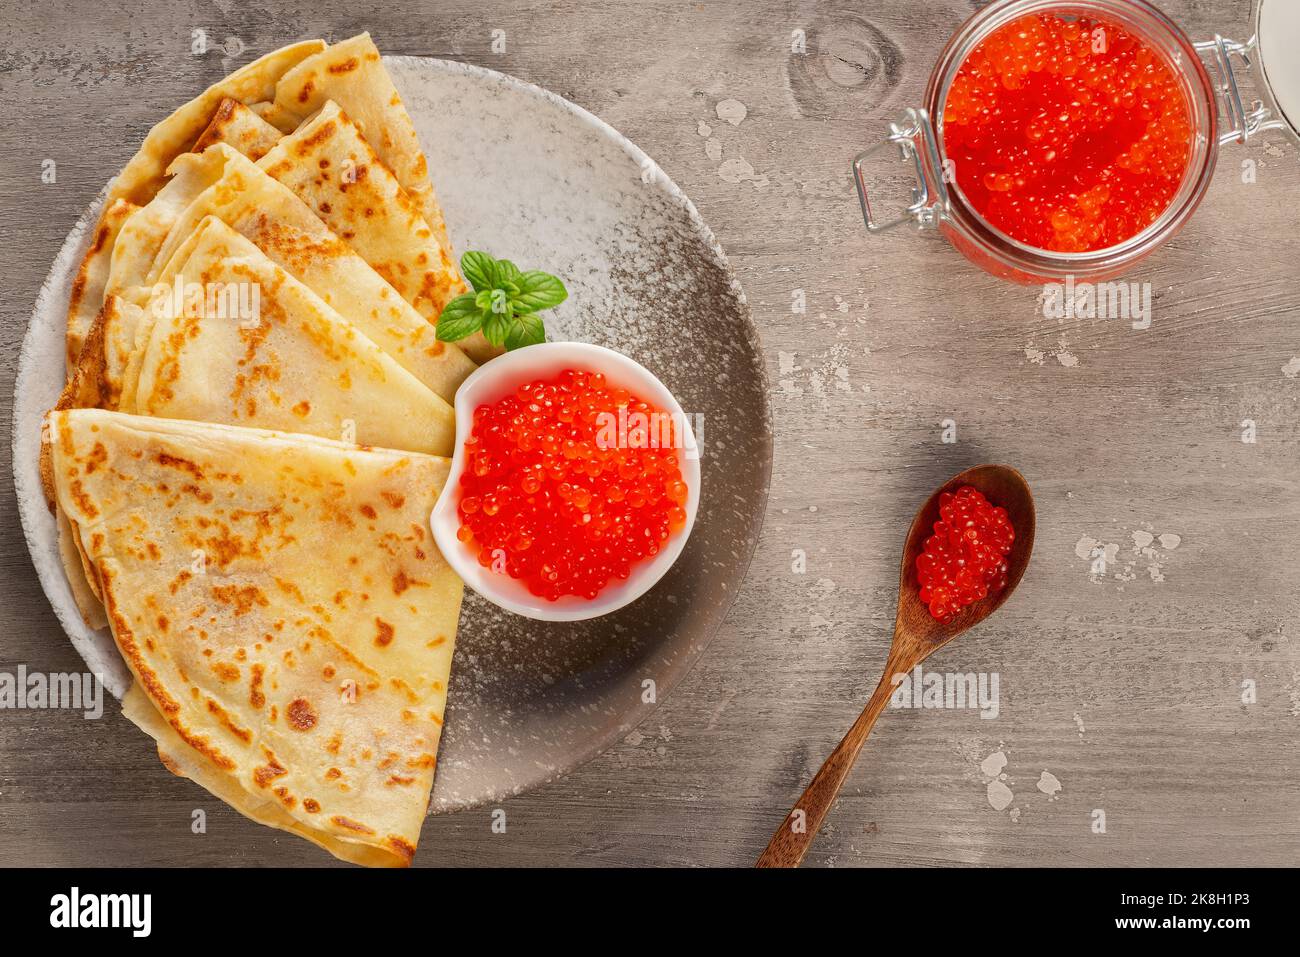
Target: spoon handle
799,829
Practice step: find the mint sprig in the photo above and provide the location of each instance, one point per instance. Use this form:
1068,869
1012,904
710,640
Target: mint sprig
503,305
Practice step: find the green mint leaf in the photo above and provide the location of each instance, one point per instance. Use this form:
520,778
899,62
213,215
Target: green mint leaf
495,327
538,290
508,274
525,330
479,269
459,318
503,303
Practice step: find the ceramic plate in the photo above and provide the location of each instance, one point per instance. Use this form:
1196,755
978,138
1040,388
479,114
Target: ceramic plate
542,182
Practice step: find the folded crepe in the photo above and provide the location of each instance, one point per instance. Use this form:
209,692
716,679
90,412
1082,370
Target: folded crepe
287,617
85,389
300,366
223,183
279,222
287,86
328,164
138,240
230,337
331,166
352,74
125,246
142,177
239,127
145,173
88,288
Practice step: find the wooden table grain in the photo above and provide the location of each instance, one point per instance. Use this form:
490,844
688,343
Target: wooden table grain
1163,692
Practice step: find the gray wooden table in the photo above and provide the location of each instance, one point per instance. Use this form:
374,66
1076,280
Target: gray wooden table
1125,685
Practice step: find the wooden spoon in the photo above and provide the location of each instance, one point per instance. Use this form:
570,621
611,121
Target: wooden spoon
917,635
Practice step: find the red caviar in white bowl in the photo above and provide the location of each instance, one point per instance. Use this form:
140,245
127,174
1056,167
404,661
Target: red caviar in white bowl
575,483
562,497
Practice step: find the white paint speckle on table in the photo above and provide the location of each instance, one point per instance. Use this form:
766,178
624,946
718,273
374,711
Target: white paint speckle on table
1061,354
1106,563
992,765
998,792
1049,784
740,170
735,169
732,111
818,375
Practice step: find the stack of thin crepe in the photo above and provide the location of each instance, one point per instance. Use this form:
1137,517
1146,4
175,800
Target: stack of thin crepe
253,436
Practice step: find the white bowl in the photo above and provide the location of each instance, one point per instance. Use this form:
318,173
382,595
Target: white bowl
497,379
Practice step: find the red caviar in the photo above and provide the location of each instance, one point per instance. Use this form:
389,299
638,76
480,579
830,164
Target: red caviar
568,484
1067,134
966,557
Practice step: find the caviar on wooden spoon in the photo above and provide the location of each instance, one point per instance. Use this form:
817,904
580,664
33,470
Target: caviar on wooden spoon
965,559
918,632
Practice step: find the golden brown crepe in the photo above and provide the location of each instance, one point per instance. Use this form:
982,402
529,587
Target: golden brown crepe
287,86
280,224
352,74
92,277
328,164
142,177
220,181
75,566
239,127
286,615
277,594
229,336
134,251
334,170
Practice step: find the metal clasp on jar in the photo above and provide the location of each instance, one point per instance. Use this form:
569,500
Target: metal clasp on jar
915,139
1242,123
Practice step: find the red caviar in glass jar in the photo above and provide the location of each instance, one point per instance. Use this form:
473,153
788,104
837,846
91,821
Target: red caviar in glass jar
966,557
564,491
1068,135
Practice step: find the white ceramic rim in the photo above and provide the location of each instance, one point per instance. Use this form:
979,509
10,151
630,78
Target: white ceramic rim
501,376
35,394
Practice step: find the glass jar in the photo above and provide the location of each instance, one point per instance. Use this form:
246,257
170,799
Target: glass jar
1205,72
